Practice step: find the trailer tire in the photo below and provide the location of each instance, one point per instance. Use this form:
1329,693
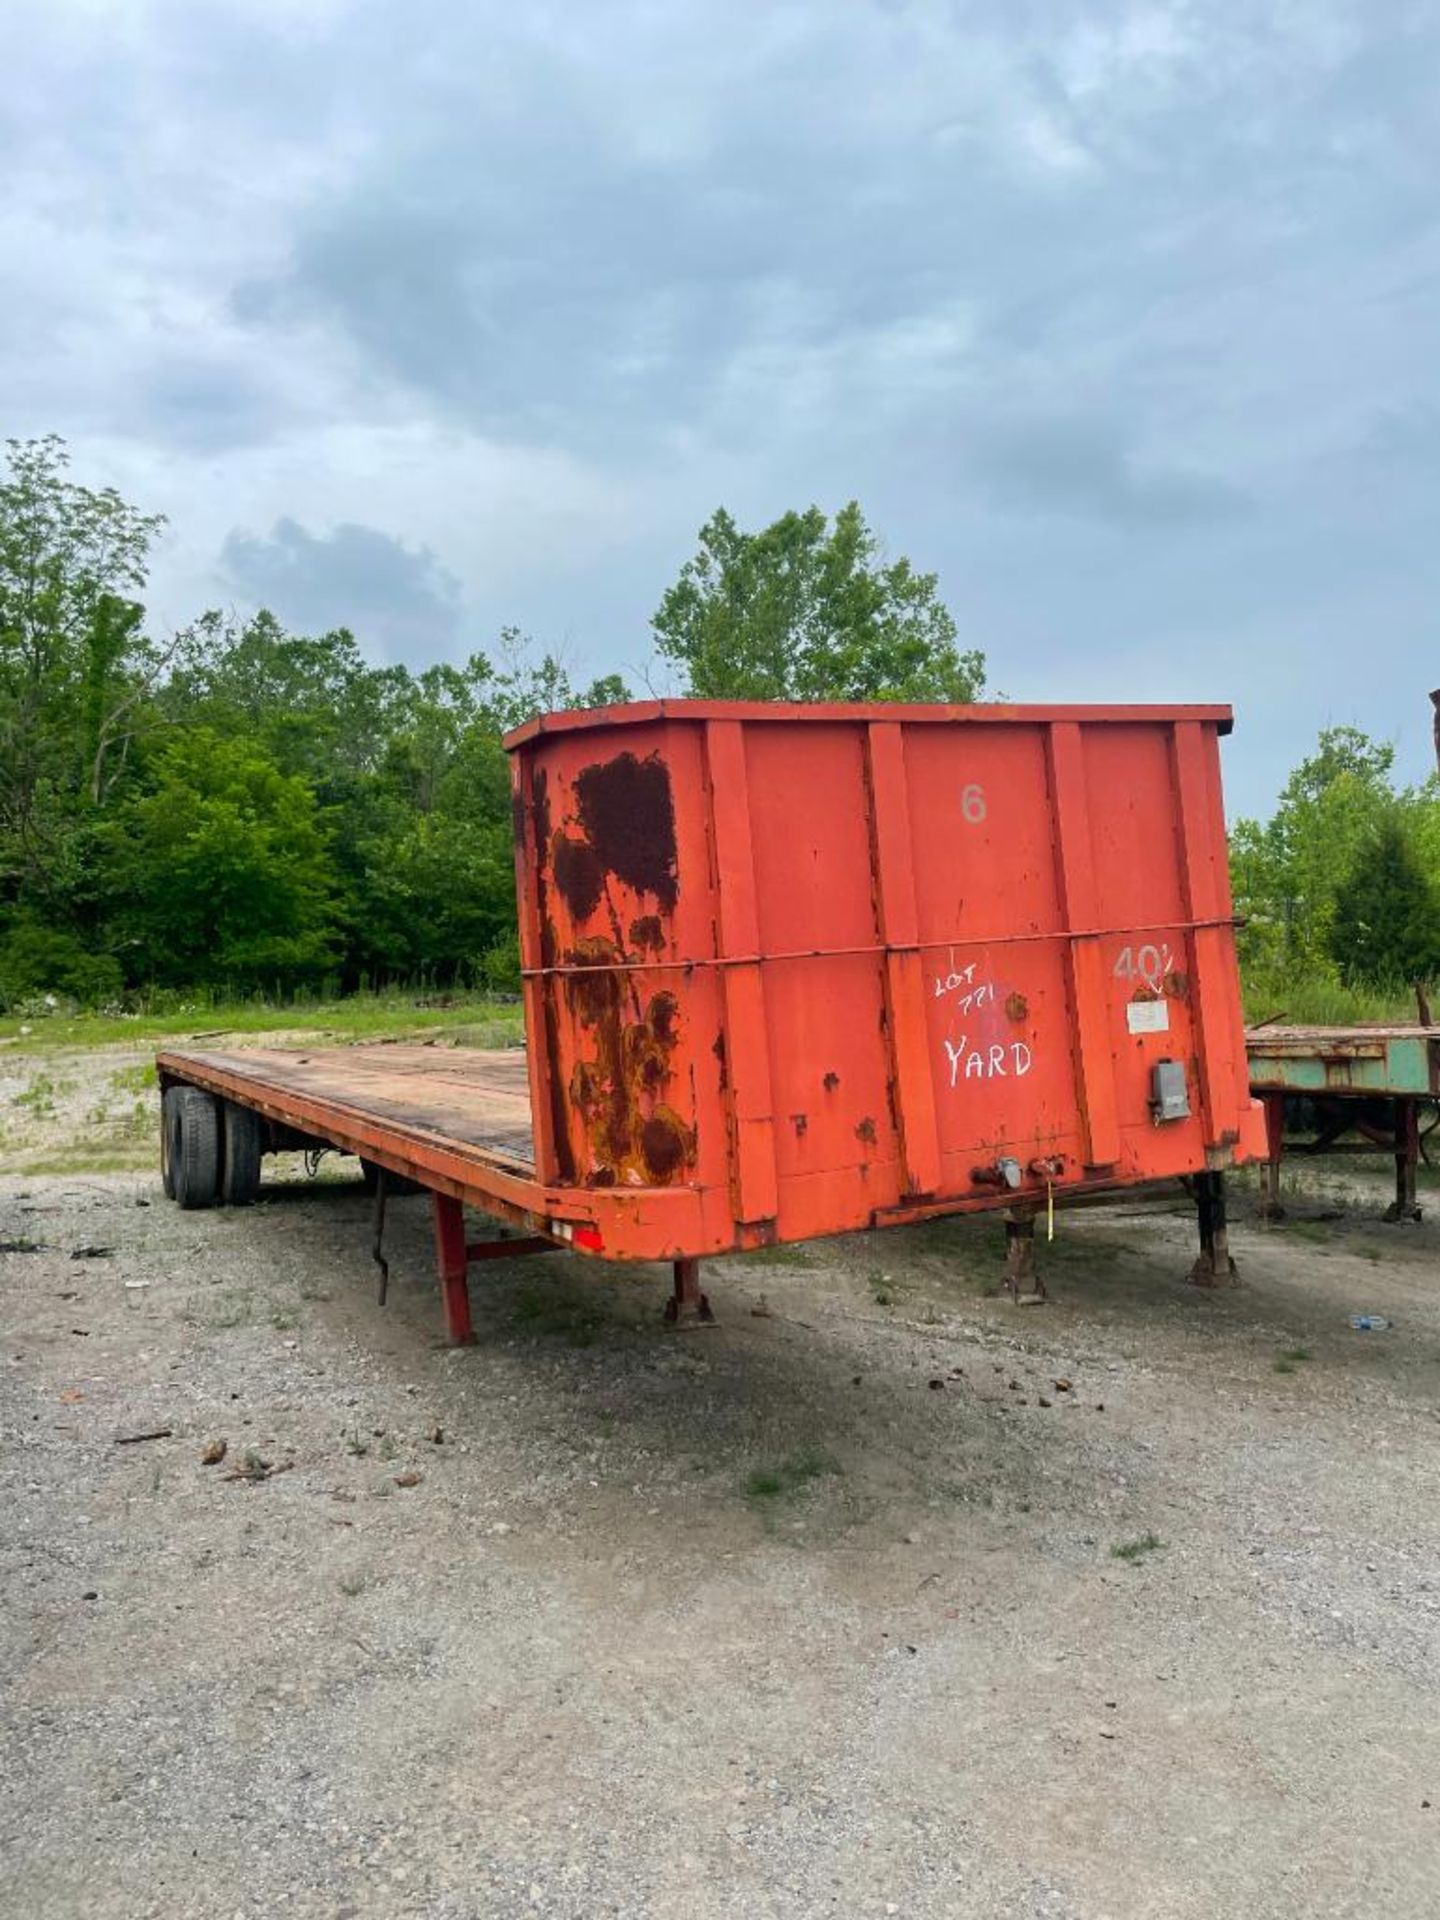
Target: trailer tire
167,1169
242,1143
193,1147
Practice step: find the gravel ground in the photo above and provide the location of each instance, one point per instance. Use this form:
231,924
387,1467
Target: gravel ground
817,1612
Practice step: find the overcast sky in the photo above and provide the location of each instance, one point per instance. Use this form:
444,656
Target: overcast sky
425,319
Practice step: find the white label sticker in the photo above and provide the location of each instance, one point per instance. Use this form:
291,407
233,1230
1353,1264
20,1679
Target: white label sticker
1148,1016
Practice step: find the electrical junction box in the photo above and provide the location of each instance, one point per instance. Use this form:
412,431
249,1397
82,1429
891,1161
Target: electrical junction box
1169,1099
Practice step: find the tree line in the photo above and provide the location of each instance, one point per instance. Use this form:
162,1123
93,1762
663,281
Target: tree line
238,807
1340,884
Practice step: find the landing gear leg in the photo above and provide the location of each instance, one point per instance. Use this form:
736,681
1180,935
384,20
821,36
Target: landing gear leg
687,1305
452,1258
1407,1153
1270,1205
1214,1268
1022,1276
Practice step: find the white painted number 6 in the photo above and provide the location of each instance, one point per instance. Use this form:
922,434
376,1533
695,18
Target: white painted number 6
972,803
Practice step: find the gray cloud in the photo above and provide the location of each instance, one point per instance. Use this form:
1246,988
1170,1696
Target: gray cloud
405,603
518,295
1075,466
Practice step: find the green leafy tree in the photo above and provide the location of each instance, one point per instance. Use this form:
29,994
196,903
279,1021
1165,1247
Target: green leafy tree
520,686
428,852
808,609
1287,872
239,805
36,959
1385,930
76,669
222,869
428,856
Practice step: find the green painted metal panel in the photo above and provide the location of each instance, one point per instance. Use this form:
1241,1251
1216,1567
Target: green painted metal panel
1343,1061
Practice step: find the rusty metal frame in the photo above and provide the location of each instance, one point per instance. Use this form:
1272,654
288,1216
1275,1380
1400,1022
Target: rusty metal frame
641,713
1075,874
751,1105
454,1255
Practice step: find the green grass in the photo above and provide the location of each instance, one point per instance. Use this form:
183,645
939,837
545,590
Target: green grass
551,1313
1291,1358
106,1159
883,1290
1132,1552
790,1475
139,1079
229,1307
469,1019
1322,1232
39,1097
1300,1001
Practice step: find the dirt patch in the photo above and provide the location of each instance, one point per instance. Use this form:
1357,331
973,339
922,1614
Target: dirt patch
882,1596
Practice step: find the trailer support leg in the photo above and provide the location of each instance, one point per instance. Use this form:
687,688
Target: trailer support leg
1022,1276
1214,1268
377,1244
451,1258
1407,1153
687,1305
1270,1205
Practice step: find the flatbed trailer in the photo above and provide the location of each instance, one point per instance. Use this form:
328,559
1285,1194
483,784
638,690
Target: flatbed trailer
794,971
455,1121
1369,1080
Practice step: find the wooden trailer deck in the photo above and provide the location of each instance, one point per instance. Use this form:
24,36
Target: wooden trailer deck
475,1102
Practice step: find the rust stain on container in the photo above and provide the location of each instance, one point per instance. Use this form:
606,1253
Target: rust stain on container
866,1131
579,874
628,813
830,1082
662,1014
554,1090
1017,1006
647,933
540,808
665,1144
635,1137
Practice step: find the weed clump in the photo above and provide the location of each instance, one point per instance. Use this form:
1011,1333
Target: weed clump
1132,1552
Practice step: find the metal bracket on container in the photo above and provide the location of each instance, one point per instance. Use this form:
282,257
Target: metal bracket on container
1004,1173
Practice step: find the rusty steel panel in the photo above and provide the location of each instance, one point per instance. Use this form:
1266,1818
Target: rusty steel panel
824,966
1364,1059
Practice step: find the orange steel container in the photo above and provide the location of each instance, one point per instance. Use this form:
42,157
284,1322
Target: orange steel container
791,970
